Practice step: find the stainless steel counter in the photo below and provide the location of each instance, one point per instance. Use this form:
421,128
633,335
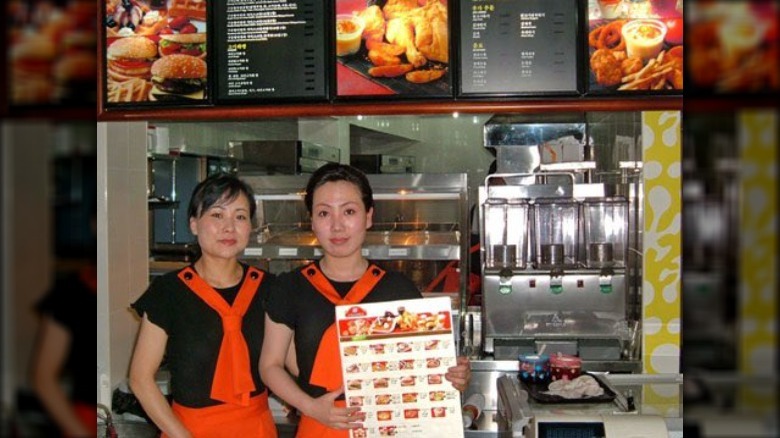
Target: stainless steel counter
142,429
659,395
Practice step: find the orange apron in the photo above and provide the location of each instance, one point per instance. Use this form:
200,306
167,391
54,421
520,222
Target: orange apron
327,364
228,420
232,382
87,415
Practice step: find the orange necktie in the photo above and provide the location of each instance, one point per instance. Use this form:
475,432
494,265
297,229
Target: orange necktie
233,381
327,365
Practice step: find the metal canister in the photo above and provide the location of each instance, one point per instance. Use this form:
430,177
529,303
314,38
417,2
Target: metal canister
600,253
504,256
552,254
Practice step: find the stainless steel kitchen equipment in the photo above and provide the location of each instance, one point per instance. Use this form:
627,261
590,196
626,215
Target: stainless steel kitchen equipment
555,252
288,157
171,178
382,163
418,226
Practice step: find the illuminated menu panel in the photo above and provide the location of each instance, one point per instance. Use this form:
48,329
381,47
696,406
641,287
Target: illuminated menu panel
517,47
270,50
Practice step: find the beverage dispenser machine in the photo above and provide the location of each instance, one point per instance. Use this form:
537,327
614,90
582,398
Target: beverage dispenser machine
554,251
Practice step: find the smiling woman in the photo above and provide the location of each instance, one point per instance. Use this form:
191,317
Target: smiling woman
301,306
224,336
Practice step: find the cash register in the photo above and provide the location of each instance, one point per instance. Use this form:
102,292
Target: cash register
597,426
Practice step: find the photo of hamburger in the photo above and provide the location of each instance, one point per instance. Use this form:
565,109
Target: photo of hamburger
178,77
32,58
75,76
193,44
130,57
33,55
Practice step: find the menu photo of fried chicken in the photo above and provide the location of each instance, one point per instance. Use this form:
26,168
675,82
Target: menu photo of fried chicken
392,47
733,47
403,347
632,49
438,412
381,382
354,384
409,397
383,399
156,51
411,413
407,380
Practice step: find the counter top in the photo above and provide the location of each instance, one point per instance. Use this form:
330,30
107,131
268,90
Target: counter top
653,395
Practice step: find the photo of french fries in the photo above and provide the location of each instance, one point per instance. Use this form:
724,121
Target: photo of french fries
634,55
661,72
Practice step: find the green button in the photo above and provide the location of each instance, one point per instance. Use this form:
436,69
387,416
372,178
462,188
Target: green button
556,289
605,288
505,290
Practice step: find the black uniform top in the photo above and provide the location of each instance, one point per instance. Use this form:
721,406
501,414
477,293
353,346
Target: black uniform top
194,332
70,292
294,302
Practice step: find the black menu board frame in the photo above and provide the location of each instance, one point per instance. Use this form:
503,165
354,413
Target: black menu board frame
300,72
397,87
576,86
123,89
596,69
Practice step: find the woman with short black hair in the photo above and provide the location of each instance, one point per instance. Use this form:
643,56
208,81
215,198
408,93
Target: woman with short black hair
207,320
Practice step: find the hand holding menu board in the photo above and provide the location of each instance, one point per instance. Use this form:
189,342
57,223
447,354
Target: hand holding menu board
394,356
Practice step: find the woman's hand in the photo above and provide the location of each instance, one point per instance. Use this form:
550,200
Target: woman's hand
460,374
326,412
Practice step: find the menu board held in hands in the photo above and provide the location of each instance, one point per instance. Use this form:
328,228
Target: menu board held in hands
394,356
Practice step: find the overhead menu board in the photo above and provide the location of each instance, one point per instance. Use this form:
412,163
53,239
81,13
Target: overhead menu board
636,46
513,47
392,48
156,52
270,50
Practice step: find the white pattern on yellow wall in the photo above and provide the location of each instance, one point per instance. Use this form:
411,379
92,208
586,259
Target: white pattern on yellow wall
662,180
661,261
757,253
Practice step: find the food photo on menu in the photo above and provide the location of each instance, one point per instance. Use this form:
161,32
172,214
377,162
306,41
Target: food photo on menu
392,47
156,51
394,356
733,47
635,45
51,55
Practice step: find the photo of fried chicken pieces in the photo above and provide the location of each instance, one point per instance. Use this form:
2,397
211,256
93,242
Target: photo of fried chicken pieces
403,36
734,47
613,68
